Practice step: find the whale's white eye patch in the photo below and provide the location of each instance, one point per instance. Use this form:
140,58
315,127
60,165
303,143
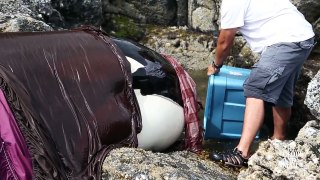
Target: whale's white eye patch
135,65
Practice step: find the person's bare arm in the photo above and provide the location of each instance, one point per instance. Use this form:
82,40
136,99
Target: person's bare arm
224,44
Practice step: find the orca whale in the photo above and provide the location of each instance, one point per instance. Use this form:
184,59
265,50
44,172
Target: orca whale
157,89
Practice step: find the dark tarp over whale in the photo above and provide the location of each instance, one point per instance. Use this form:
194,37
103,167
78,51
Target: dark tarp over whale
71,95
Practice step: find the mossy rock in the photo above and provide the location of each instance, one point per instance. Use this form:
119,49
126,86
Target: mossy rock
123,27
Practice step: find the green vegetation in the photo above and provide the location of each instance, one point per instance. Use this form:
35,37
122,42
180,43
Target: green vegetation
126,28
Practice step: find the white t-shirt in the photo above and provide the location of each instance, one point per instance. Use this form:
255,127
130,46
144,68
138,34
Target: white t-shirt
265,22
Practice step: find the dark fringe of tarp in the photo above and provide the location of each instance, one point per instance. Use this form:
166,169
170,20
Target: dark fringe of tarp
32,138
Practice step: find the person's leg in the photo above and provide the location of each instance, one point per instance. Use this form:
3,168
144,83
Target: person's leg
253,119
281,115
282,110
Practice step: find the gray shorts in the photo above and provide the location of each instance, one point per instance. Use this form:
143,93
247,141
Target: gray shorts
274,76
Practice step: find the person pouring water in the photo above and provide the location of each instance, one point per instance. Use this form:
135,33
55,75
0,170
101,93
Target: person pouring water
280,33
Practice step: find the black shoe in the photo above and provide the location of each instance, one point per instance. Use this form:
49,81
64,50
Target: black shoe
231,158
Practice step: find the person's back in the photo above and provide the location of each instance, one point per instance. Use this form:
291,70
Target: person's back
264,23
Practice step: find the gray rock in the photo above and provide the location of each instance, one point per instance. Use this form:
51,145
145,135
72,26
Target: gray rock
192,50
200,18
316,26
11,7
158,12
182,12
16,16
204,15
310,8
130,163
45,11
80,12
310,134
44,14
23,23
242,53
113,8
312,99
297,159
196,50
206,3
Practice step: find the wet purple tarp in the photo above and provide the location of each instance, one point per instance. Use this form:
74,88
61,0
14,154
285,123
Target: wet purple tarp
15,160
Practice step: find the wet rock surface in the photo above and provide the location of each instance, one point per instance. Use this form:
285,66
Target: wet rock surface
46,15
163,12
195,50
76,13
16,16
312,99
298,159
128,163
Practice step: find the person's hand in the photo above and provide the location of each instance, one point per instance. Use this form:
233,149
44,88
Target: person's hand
212,70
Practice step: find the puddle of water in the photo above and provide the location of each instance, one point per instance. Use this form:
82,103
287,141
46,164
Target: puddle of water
201,79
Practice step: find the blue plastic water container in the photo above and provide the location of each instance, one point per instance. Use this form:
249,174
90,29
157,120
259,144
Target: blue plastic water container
225,103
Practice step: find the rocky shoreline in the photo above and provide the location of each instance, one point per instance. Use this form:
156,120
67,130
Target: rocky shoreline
126,163
190,39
